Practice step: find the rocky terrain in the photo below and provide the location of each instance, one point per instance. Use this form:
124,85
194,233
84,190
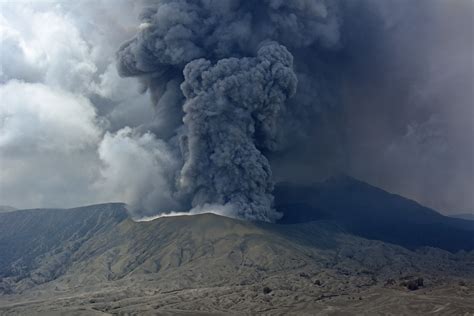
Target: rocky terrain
96,260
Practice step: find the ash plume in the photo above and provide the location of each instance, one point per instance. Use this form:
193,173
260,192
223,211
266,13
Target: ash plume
232,104
369,103
174,32
230,113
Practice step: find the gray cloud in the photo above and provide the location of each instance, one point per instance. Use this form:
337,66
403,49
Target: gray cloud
223,160
172,33
392,106
410,119
230,112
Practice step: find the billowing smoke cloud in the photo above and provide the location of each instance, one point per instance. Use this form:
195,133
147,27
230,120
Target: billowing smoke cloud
232,110
173,33
341,51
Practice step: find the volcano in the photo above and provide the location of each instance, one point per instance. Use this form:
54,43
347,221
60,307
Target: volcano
97,260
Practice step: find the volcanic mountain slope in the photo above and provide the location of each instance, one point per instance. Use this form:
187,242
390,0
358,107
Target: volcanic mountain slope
97,260
466,216
373,213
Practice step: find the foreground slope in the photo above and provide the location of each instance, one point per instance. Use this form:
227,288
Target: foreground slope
97,260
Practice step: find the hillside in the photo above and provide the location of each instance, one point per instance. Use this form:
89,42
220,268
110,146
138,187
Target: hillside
97,260
373,213
466,216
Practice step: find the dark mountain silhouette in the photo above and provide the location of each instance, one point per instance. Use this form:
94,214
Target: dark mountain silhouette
373,213
466,216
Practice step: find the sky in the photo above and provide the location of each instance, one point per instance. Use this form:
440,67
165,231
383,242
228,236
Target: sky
384,93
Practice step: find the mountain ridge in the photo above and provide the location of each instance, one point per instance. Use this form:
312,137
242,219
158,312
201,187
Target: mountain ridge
465,216
373,213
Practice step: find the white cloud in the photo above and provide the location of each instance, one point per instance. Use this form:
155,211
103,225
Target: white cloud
44,118
59,94
139,169
48,43
48,142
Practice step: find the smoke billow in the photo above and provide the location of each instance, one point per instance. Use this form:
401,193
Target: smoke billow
234,104
231,110
173,33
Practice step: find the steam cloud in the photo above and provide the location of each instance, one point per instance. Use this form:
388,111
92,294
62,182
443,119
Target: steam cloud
232,109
